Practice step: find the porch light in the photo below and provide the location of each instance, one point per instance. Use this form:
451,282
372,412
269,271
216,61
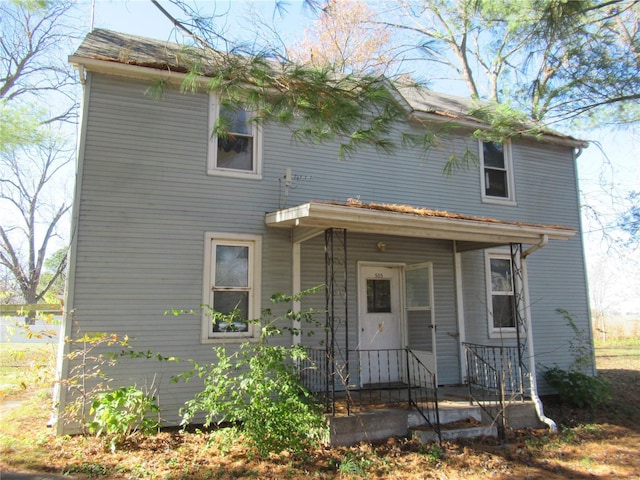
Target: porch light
382,247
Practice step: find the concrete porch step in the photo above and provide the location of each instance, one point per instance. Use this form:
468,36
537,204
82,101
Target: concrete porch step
469,428
457,419
367,426
449,413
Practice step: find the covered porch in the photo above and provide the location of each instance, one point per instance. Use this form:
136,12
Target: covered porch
393,281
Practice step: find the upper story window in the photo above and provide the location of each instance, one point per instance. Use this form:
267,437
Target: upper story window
231,286
239,152
497,172
500,295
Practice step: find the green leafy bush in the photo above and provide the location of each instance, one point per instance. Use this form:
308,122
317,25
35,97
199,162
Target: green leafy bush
120,413
576,386
355,464
257,388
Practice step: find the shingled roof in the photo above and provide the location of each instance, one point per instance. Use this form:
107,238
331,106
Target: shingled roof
125,49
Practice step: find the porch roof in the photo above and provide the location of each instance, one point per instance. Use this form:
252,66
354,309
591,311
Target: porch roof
402,220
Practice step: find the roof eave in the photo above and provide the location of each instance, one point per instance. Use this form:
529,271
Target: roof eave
478,125
320,215
113,67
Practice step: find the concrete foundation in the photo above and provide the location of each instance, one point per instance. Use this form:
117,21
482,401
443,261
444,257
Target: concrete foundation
380,424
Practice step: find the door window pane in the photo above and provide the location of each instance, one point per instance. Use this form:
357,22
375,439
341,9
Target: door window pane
419,330
378,296
418,288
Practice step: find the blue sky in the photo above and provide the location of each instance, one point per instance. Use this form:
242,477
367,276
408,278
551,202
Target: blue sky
622,148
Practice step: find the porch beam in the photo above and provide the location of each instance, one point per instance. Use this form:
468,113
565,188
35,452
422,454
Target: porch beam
463,246
484,231
301,235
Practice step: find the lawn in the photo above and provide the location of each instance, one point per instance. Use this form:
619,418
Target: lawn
26,367
604,443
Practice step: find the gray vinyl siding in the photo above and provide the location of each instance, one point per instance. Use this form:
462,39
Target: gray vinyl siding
146,203
474,294
546,193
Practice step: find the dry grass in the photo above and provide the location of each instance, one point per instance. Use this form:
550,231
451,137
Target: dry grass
601,444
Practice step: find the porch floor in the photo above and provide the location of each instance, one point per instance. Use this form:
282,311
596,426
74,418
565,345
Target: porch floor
396,396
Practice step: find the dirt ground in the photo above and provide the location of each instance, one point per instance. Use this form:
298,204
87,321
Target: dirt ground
603,444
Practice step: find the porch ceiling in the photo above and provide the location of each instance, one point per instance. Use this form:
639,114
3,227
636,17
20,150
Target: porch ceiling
474,232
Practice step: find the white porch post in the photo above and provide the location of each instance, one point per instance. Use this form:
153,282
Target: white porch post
296,285
457,263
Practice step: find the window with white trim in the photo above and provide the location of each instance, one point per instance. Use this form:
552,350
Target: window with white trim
232,285
239,152
500,294
497,172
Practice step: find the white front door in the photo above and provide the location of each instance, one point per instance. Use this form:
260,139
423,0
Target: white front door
380,324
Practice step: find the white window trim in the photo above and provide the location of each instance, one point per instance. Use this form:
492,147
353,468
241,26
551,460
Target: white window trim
508,164
212,149
254,242
496,332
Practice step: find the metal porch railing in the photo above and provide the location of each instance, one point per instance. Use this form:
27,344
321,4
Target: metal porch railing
495,376
370,379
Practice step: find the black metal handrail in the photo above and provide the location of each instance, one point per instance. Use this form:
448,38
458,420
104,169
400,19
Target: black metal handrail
494,376
504,360
372,377
423,391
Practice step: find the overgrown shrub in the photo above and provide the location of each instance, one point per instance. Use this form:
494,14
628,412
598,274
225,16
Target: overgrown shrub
257,388
93,404
120,413
576,386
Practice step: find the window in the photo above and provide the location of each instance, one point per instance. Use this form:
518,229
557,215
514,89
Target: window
238,154
500,295
232,285
497,172
378,296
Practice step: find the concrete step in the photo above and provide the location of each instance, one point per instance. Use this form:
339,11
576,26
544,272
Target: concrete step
449,413
469,428
518,415
367,426
458,420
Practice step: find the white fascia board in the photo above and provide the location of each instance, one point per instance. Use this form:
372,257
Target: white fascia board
466,123
358,219
130,71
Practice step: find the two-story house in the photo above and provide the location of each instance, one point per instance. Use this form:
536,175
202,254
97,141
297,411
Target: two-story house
166,217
